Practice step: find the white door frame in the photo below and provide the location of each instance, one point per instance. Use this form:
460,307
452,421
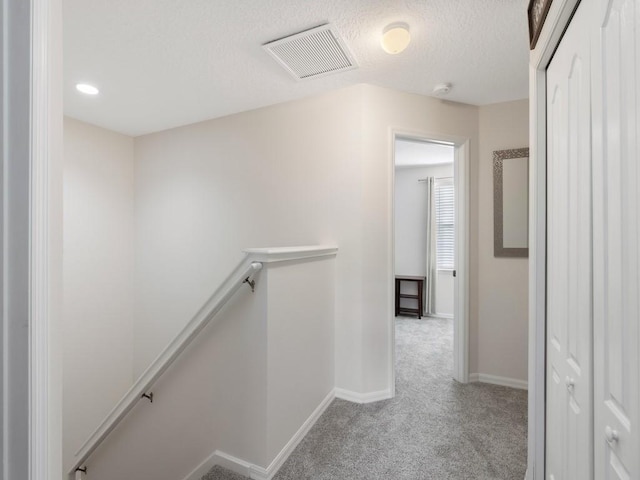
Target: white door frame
555,24
31,173
461,284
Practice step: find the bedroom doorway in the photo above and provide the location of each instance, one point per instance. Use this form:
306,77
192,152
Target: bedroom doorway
424,228
430,253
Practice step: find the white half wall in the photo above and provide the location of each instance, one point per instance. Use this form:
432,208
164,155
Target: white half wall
249,382
98,277
502,344
301,338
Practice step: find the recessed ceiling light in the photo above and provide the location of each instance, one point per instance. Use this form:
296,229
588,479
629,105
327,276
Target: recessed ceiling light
395,38
86,88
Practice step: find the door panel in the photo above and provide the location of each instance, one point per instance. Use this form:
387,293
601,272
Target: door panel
616,210
569,314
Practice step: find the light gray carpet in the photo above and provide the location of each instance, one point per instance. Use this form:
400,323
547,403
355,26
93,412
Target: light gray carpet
219,473
434,428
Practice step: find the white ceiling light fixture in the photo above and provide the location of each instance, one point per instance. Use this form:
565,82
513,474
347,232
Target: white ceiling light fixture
87,89
395,38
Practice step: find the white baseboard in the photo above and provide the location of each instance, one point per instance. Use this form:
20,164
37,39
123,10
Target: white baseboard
438,315
297,437
495,380
219,458
363,397
251,470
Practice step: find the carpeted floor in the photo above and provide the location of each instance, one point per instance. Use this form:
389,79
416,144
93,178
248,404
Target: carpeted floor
434,428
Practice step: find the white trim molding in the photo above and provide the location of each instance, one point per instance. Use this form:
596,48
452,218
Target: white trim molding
31,222
461,307
555,24
496,380
256,472
363,398
39,242
447,316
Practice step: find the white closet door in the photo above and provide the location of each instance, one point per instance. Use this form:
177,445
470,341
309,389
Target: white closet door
569,448
616,268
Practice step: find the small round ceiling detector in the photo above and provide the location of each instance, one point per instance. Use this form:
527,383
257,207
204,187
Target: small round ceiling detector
442,89
395,38
87,89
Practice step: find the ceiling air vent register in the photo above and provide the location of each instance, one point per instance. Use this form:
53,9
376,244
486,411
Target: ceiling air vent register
312,53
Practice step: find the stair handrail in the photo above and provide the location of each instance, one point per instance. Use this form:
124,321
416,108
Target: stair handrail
241,274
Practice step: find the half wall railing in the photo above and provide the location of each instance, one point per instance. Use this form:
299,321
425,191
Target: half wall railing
141,389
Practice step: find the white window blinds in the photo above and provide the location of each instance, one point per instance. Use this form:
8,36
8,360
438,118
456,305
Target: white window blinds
445,221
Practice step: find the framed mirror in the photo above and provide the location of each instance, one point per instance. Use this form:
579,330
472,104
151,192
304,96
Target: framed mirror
511,203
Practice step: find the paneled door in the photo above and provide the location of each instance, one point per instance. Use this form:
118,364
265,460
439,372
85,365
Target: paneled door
616,178
569,432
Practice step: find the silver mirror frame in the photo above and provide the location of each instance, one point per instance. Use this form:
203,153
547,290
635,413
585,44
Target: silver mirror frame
498,222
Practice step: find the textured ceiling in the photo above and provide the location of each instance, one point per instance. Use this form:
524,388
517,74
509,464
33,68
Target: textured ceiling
165,63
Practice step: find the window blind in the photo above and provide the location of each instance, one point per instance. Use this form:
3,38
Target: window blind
445,223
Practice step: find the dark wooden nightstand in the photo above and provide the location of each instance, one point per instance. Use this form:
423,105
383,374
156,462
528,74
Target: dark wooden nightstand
419,296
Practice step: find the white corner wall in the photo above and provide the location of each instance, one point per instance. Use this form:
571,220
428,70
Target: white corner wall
410,229
98,277
503,289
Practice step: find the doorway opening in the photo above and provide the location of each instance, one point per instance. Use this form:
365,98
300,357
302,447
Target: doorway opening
424,228
429,244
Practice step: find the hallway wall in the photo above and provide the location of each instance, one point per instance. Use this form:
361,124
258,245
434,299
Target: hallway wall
503,292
